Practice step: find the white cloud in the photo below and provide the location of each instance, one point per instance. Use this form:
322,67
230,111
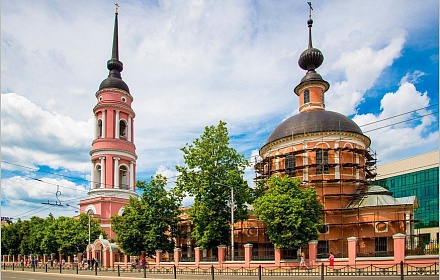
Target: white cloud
401,125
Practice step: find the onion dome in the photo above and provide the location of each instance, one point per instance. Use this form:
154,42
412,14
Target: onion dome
115,66
311,58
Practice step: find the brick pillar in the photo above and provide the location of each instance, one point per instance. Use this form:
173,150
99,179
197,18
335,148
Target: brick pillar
126,261
60,260
221,254
177,254
352,242
399,247
44,258
197,255
313,252
248,254
79,257
69,260
19,258
158,257
277,257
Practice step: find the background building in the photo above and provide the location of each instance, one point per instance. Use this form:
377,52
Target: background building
416,176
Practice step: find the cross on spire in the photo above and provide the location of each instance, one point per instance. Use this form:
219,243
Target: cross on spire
117,6
311,9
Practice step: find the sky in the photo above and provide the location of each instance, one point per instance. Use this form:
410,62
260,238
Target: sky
190,64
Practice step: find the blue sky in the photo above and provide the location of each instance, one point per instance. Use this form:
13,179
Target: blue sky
190,64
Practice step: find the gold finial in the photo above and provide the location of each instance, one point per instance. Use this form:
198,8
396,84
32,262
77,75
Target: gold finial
117,6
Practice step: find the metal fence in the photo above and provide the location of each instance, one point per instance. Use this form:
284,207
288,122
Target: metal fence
399,269
416,246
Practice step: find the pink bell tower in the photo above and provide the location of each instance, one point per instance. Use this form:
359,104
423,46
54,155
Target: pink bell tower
113,151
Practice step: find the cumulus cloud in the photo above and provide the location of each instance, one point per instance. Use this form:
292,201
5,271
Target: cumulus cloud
403,124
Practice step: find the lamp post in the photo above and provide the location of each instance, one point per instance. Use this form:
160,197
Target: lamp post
89,212
232,217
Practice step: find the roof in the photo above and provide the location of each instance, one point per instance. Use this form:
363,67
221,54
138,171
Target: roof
313,121
377,196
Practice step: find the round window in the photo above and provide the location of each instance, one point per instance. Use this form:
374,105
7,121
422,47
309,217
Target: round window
123,99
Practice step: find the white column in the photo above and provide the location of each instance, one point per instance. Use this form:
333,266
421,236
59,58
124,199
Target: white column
337,167
102,172
132,187
103,123
305,162
277,162
129,129
117,125
116,175
92,177
357,169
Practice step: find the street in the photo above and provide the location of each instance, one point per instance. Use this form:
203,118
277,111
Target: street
27,275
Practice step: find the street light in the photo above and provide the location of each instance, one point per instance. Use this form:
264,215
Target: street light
232,217
89,212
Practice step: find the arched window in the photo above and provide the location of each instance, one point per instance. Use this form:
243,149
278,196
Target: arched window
123,177
306,96
97,183
100,128
122,129
322,161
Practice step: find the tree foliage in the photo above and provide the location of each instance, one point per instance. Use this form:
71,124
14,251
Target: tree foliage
148,223
211,169
292,214
51,235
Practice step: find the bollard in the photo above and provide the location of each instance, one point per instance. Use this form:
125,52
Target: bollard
46,267
33,267
401,271
145,272
96,269
175,271
61,267
22,266
119,273
4,266
77,268
259,272
13,266
212,272
322,271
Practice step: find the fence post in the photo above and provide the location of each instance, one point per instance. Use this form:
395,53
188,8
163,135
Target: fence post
119,273
212,272
259,272
322,271
401,271
175,271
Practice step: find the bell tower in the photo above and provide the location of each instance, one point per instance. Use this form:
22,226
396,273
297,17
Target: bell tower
113,151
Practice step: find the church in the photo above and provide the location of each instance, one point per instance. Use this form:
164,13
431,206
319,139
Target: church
324,149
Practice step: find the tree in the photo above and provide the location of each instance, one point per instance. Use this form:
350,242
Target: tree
11,238
211,169
148,223
292,214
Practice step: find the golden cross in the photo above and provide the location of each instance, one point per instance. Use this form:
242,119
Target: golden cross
117,6
311,9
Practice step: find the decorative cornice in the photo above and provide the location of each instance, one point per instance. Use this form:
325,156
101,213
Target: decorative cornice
308,84
125,142
127,108
92,152
121,91
311,137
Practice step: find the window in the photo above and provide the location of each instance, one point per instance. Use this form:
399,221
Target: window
306,96
100,128
123,177
289,164
322,161
323,249
122,128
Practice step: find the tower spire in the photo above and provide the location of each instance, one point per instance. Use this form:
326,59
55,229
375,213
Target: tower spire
114,65
309,23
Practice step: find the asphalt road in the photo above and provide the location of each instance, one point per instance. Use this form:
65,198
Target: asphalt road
28,275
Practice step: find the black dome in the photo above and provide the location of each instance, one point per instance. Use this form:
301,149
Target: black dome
313,121
112,82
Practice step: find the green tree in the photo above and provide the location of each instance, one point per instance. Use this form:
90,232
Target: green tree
211,169
148,223
11,238
292,214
